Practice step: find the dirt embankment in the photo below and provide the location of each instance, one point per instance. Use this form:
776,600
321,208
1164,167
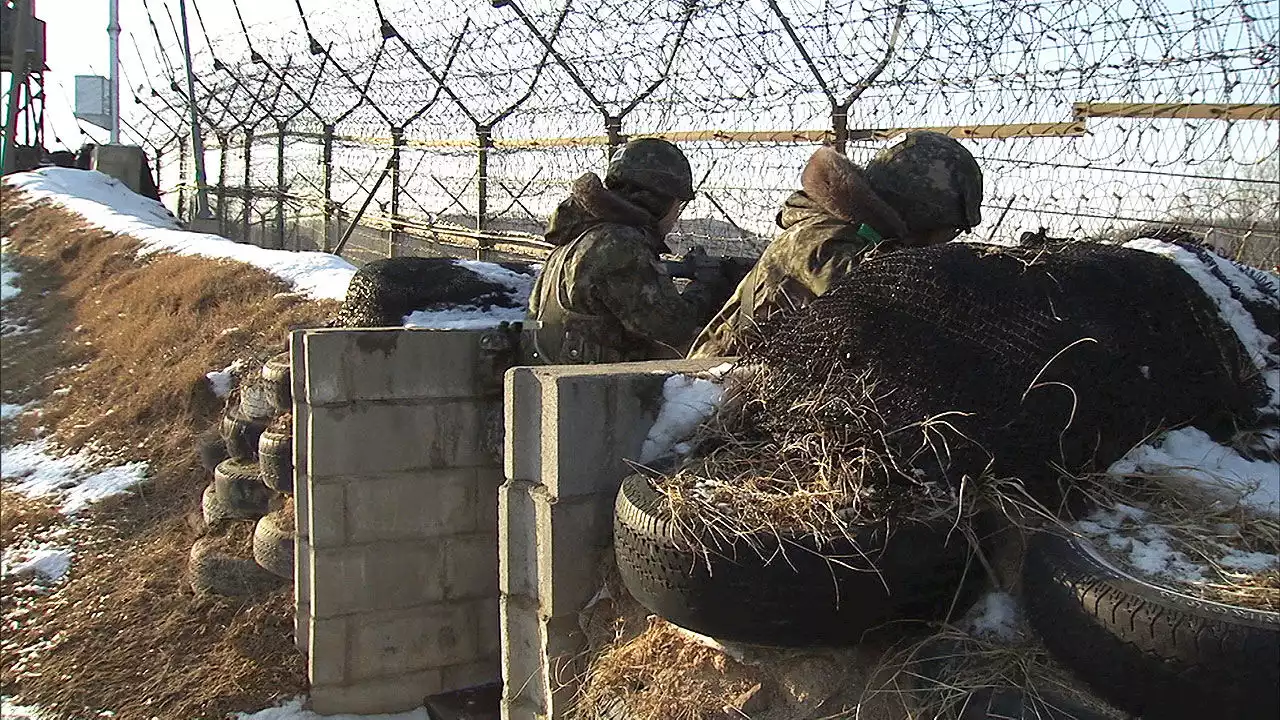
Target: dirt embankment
115,356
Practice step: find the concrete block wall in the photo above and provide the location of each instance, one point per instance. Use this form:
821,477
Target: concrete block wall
398,464
569,433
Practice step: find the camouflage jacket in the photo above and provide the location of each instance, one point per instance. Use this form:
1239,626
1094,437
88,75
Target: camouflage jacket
603,294
814,250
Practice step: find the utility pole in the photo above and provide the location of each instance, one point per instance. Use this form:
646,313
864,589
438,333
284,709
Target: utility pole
113,66
197,146
17,79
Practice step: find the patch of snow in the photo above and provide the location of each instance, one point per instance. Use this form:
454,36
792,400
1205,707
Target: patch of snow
1232,311
687,402
519,284
7,276
35,472
109,204
463,318
9,711
221,380
995,617
1189,457
292,710
46,565
9,411
1148,548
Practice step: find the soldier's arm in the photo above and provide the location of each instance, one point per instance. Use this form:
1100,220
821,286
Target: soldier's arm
645,300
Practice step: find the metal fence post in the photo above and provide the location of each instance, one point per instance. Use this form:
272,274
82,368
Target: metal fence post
326,160
393,236
224,143
182,178
613,129
484,142
280,128
247,190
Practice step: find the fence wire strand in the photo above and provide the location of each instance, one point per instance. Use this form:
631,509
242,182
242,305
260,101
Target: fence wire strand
1088,116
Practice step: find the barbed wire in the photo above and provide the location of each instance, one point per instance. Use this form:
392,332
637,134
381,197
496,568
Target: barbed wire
467,120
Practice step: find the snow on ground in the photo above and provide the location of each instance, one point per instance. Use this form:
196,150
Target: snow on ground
1191,459
9,411
9,711
45,565
1127,533
107,203
7,275
687,402
33,470
222,380
292,710
995,617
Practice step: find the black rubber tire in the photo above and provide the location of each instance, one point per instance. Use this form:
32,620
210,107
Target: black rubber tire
1149,650
212,449
277,377
214,568
784,590
255,401
238,486
240,434
275,455
273,542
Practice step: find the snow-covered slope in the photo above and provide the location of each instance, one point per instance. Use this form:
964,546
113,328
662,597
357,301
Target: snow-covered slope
107,203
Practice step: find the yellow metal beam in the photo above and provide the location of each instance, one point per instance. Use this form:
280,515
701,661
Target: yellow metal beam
1180,111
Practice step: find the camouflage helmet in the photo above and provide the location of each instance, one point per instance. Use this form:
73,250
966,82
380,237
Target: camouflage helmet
653,164
931,180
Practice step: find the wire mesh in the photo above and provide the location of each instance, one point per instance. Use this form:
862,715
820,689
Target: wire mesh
1088,116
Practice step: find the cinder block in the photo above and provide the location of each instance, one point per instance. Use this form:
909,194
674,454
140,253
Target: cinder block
520,710
471,566
382,696
302,595
522,404
376,576
328,515
487,482
524,677
480,672
406,506
591,424
518,538
327,651
394,364
368,438
489,626
435,636
572,534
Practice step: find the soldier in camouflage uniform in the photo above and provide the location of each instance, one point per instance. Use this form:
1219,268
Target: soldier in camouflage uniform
922,191
604,295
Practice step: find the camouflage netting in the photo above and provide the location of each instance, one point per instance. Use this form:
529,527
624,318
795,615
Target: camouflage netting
383,292
1066,355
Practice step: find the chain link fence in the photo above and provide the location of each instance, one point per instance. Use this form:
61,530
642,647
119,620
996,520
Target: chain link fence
392,127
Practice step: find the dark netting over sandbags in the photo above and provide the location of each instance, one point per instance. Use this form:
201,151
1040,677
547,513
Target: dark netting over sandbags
1068,354
383,292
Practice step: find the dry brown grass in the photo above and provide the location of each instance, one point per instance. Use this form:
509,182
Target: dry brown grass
133,340
21,516
742,482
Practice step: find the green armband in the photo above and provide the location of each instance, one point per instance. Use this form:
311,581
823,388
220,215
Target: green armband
867,232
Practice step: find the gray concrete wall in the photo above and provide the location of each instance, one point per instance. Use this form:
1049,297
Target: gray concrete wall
398,452
569,433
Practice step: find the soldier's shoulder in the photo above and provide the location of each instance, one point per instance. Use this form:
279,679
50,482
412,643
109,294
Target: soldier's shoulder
612,244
